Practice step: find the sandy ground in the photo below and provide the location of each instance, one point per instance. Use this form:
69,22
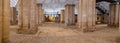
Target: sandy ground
56,33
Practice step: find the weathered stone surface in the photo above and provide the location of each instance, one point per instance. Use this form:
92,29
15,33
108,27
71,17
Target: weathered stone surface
62,16
118,39
1,21
86,15
13,16
27,17
114,16
106,19
41,16
119,18
69,14
4,20
37,15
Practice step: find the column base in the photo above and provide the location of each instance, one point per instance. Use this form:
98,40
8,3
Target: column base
70,24
70,27
88,30
5,41
114,25
27,31
62,22
84,30
40,24
13,23
117,39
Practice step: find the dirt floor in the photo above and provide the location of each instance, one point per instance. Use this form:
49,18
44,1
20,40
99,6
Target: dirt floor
56,33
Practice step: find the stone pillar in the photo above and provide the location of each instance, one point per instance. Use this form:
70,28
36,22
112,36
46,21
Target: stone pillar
118,38
106,19
41,14
27,17
119,17
114,15
62,16
37,14
14,15
1,19
4,21
69,14
86,15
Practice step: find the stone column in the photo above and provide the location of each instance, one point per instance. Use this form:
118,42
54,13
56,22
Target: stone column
37,14
119,17
69,14
41,14
106,18
113,15
27,17
1,21
14,15
86,15
62,16
4,21
118,39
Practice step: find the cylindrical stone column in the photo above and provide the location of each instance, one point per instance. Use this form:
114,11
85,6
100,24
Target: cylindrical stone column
27,17
13,16
1,19
69,14
62,16
106,18
119,22
117,15
41,14
94,14
113,15
37,15
4,21
86,15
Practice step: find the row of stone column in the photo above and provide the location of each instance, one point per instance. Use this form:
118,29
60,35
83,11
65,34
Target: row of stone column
86,15
4,20
27,18
114,15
